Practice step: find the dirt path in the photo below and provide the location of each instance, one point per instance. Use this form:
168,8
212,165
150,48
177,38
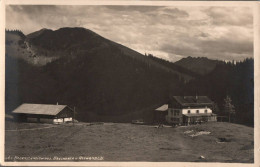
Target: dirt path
15,130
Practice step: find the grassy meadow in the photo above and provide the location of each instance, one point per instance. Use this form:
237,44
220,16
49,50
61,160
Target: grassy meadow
209,142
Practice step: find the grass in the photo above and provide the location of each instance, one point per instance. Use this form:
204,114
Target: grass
129,142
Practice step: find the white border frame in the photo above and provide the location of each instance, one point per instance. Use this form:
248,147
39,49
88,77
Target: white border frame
256,13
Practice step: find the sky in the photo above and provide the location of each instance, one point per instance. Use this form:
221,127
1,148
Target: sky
168,32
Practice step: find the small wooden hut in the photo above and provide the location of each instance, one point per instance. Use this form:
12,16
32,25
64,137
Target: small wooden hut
44,113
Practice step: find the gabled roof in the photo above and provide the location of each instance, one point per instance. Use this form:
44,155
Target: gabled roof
41,109
193,101
162,108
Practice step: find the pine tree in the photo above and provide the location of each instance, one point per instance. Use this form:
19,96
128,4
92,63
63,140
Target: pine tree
229,107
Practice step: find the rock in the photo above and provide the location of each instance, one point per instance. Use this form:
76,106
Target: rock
202,157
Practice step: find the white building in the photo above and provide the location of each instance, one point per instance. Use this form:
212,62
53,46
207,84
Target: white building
189,110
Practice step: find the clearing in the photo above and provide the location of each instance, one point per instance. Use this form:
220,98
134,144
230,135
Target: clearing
209,142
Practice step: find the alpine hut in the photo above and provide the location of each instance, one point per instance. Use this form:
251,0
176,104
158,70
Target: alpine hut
189,110
44,113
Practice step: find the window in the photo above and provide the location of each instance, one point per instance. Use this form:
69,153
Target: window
188,111
206,111
197,111
176,112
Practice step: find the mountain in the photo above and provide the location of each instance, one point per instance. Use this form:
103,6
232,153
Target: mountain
45,46
199,65
228,79
173,66
18,46
106,81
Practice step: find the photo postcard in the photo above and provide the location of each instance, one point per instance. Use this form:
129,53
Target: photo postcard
130,83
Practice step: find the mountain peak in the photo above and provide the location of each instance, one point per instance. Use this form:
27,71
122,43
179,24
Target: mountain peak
198,58
200,65
65,39
38,33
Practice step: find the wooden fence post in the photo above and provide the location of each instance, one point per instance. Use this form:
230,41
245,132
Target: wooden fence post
74,115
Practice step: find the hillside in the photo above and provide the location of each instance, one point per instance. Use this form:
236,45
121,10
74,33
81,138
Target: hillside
234,80
106,81
199,65
17,46
173,66
229,143
45,46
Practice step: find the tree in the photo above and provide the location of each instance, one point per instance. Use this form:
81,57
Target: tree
229,107
215,108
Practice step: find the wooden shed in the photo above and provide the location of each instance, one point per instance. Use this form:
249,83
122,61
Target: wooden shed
160,114
44,113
